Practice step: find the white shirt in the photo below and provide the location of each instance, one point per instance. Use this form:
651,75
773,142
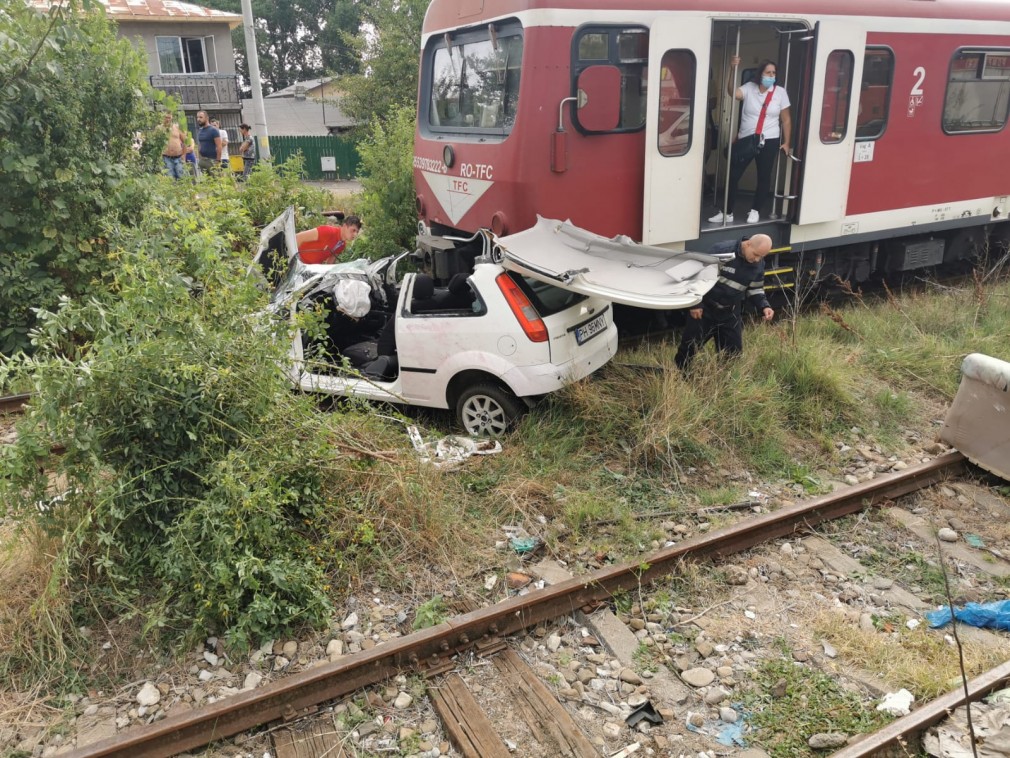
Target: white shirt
224,143
753,101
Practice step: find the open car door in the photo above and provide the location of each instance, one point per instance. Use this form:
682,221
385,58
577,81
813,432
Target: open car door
618,269
278,245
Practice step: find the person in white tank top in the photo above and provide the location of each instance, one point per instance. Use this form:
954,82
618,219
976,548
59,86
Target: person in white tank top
776,130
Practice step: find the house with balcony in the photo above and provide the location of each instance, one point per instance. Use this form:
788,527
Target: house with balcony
189,53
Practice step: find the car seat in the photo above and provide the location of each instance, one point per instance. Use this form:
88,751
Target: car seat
458,295
422,296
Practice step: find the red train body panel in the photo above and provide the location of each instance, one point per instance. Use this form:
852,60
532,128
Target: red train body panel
615,115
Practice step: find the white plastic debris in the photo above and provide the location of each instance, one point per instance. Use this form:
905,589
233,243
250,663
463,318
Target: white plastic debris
913,624
450,451
632,748
490,581
897,703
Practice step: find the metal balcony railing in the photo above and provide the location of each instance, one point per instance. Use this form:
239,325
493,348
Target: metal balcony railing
199,90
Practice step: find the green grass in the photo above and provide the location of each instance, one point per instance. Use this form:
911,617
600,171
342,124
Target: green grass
910,569
786,703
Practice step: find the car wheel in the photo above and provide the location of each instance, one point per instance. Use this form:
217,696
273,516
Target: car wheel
487,410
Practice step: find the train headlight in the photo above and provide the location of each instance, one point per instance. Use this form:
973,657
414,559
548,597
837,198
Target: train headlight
448,156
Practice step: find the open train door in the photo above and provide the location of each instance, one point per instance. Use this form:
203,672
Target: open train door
831,126
675,128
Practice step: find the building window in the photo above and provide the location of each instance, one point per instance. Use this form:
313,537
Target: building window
837,94
676,97
475,80
978,91
627,50
875,93
187,55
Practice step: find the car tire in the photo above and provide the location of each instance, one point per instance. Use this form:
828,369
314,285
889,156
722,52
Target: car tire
487,410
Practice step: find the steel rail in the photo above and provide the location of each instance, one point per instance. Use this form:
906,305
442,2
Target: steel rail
14,403
298,694
929,714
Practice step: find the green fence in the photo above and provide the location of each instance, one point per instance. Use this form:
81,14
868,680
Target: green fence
325,157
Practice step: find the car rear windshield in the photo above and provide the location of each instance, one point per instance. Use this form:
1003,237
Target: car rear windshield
546,298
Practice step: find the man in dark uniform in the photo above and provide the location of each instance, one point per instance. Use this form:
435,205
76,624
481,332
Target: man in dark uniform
719,315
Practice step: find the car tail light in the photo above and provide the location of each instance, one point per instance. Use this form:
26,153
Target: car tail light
523,309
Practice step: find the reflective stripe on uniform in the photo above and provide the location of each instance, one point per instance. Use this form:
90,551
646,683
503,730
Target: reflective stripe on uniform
730,283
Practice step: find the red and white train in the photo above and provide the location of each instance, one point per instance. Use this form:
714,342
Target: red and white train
616,116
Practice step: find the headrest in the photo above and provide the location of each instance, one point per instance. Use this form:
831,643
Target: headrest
424,287
458,285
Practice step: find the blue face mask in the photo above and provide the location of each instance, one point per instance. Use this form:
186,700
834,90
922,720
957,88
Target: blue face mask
767,81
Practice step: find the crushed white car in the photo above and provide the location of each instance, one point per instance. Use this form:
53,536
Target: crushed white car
533,315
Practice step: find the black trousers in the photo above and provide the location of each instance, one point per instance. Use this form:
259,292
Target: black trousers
725,327
765,164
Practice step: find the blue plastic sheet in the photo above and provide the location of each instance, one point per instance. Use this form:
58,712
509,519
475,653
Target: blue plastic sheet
730,735
994,615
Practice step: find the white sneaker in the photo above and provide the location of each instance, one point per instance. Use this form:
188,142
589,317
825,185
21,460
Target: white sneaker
718,218
753,217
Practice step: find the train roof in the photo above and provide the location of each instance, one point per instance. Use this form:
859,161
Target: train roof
447,14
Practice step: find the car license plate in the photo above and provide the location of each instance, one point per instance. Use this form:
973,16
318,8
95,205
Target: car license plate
590,329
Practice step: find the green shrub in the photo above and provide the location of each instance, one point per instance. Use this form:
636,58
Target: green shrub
387,204
271,188
72,101
190,480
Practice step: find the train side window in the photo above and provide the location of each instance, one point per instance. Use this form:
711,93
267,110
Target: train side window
978,91
626,48
837,94
875,93
594,47
676,98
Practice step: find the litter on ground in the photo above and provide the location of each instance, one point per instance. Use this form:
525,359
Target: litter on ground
994,615
450,452
897,703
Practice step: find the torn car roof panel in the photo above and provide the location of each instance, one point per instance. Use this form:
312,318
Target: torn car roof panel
618,269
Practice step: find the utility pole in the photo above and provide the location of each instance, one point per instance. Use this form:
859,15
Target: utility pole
252,58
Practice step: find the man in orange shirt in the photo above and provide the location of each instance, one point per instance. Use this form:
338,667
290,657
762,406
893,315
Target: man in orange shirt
324,244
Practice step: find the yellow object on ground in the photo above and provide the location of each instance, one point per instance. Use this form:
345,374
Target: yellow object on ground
237,163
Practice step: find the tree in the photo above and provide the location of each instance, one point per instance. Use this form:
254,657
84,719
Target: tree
336,38
390,49
70,109
297,39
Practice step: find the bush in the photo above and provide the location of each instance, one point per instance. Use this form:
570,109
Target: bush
271,188
387,205
189,483
72,101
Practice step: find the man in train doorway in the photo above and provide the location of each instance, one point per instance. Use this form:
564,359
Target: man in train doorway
719,315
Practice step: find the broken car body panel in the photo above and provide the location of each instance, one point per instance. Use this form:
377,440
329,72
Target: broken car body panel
978,421
617,269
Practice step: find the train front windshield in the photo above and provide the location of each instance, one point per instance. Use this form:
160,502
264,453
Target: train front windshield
472,80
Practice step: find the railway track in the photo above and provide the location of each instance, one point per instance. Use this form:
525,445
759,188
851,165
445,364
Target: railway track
488,634
13,404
